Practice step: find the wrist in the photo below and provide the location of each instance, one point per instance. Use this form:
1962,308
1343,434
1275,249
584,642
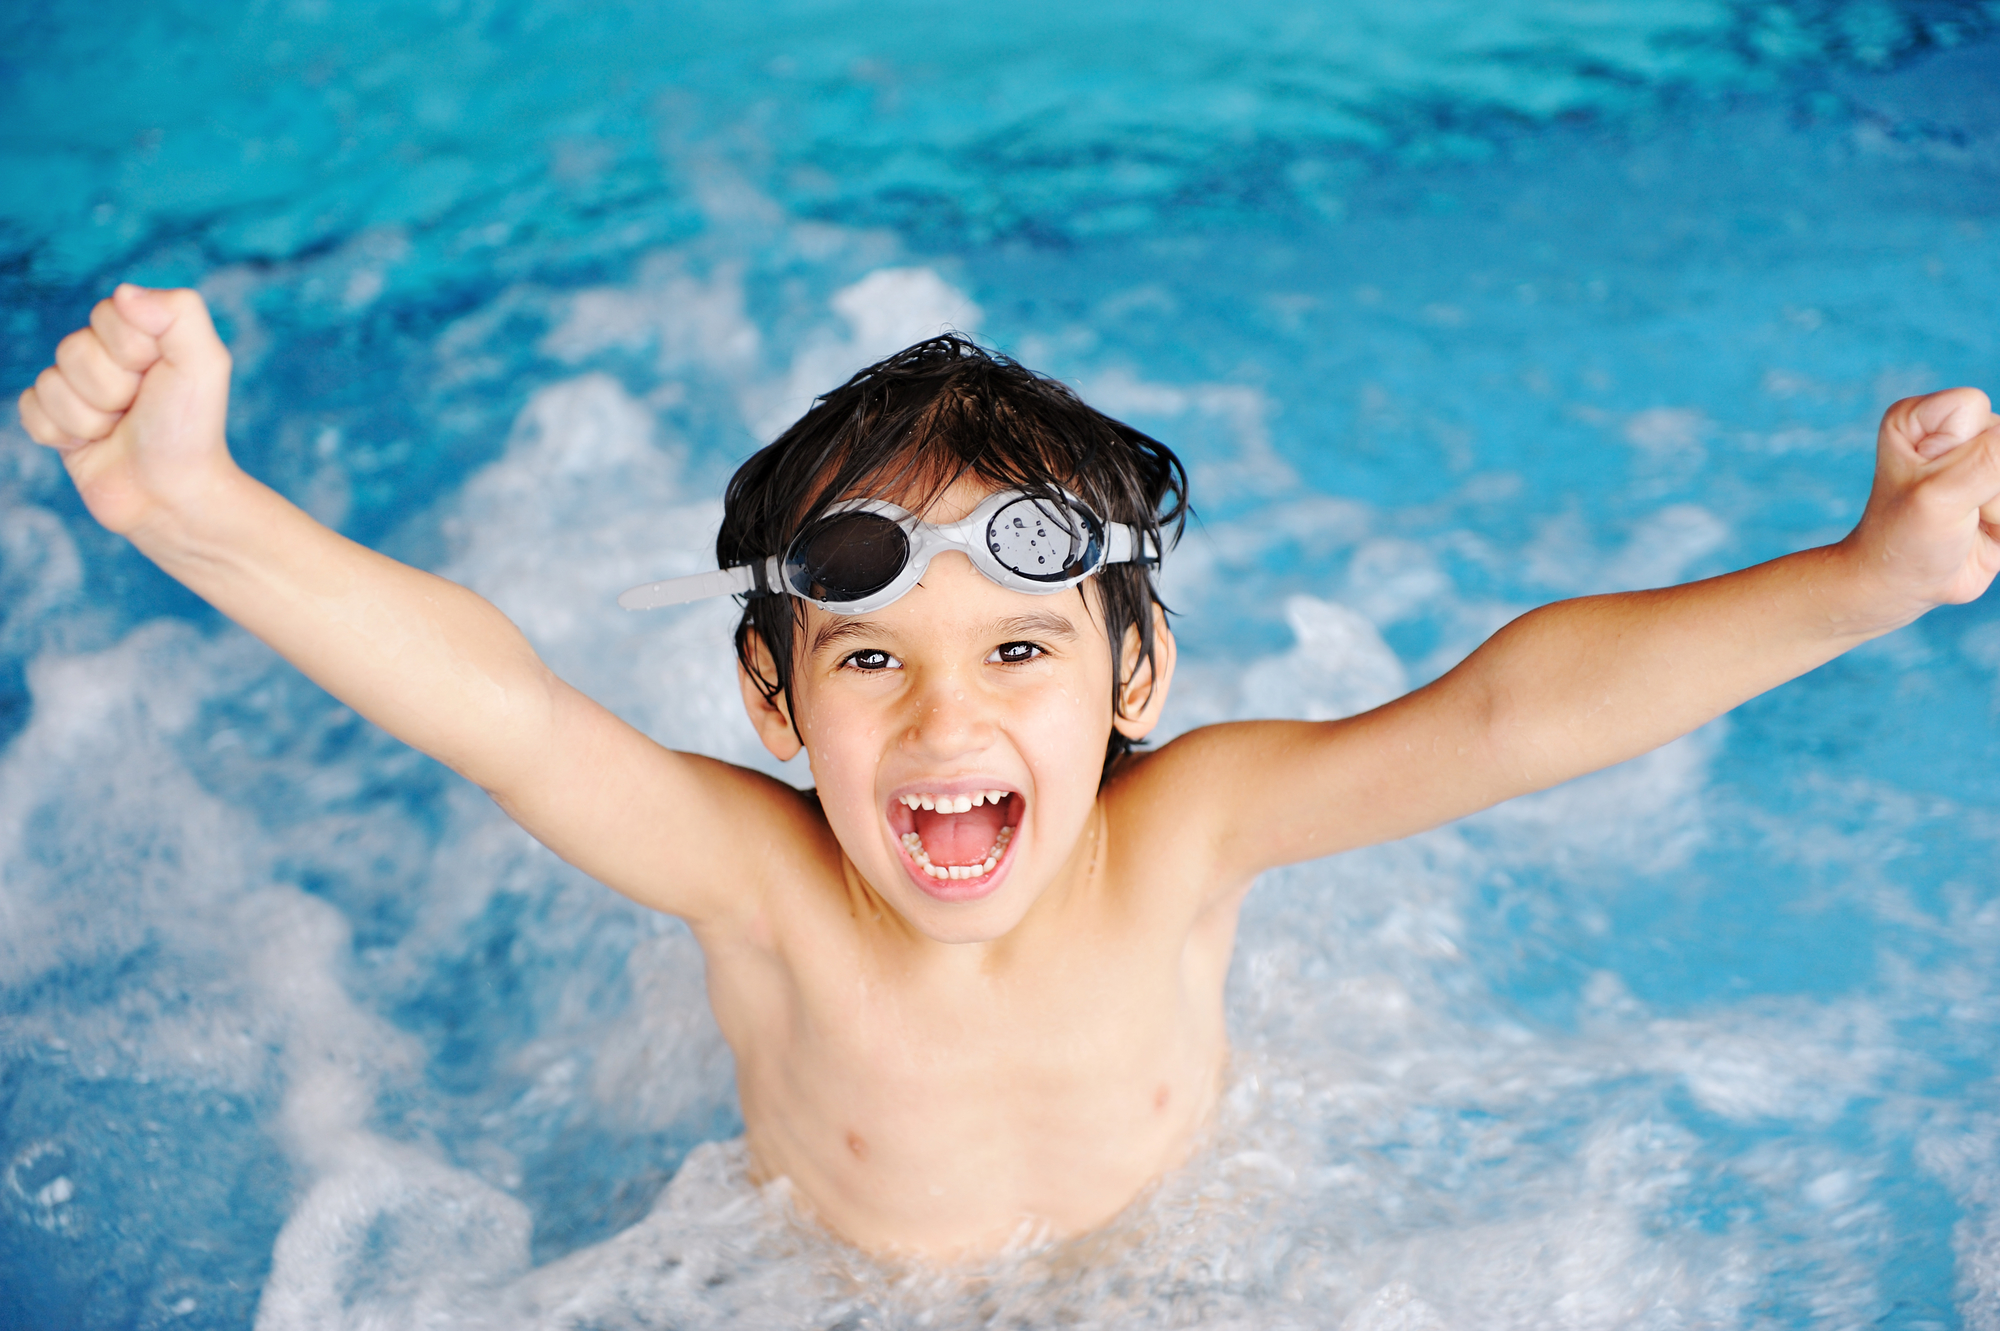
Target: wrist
1862,597
196,518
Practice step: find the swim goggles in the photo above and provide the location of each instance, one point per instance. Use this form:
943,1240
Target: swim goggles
864,553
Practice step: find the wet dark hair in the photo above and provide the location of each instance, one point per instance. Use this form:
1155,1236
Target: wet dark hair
915,423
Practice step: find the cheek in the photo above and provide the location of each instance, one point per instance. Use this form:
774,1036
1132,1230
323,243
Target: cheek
843,749
1068,730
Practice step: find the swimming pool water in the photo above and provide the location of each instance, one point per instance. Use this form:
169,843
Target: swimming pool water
1452,310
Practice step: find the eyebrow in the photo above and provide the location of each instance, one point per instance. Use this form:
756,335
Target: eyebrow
840,630
1041,624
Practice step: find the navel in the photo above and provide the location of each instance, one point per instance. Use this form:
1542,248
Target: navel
856,1147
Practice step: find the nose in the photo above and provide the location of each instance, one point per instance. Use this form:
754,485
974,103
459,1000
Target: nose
949,718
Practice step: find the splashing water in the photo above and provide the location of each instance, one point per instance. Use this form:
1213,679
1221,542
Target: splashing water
1449,313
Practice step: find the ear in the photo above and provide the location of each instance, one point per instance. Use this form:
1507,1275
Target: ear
771,716
1142,694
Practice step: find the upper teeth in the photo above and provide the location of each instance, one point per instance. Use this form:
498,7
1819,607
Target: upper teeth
953,803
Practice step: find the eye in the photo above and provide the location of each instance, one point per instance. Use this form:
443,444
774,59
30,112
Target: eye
1014,653
871,659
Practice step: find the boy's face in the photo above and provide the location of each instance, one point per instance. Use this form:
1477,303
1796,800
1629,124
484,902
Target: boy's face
957,690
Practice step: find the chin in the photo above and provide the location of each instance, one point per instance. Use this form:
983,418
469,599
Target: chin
990,916
957,933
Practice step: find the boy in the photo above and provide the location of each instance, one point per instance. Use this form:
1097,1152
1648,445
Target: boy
974,983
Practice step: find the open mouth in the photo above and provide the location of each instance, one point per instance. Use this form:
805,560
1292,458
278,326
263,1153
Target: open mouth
955,839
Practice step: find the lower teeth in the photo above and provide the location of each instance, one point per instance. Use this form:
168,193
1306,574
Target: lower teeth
915,845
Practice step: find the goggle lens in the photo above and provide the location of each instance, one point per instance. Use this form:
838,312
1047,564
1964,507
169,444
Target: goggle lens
846,557
1034,540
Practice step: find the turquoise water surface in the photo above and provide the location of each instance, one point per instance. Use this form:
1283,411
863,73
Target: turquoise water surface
1453,309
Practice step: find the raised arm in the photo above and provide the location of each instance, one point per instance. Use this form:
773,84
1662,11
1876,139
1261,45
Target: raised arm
1580,685
135,403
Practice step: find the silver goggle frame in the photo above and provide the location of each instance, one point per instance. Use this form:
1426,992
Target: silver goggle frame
1011,545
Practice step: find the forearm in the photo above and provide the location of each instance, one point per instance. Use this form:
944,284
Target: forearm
1580,685
425,659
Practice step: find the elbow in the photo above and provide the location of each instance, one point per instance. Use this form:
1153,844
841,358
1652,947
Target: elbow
1498,740
519,732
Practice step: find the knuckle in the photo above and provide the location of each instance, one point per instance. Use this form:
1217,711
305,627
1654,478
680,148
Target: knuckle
32,418
1966,400
76,345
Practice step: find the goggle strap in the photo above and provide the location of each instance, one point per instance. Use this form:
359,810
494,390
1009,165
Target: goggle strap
743,580
1125,545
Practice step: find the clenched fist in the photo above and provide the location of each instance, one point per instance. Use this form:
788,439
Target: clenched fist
135,403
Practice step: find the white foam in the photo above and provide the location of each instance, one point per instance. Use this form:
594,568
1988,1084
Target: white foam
389,1237
1661,549
1338,667
40,574
1961,1150
691,321
181,877
667,1056
1666,546
1660,432
1214,562
885,311
1395,1307
1246,465
94,771
1391,580
1649,813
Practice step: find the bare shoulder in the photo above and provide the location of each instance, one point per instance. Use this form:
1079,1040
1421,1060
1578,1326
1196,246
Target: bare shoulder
1190,781
778,855
1176,812
1245,796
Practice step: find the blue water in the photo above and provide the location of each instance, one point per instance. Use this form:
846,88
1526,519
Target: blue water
1453,309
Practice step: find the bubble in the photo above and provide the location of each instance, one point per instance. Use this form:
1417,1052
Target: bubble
40,1187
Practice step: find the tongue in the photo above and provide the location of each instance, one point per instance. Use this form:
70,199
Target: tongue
960,838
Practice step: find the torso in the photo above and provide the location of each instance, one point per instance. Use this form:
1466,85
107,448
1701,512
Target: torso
947,1100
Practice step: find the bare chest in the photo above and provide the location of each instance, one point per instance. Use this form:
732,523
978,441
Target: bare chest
943,1108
